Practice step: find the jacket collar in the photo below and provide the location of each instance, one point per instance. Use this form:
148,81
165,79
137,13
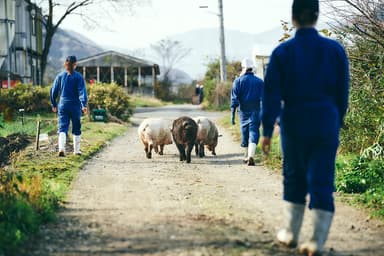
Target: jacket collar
306,31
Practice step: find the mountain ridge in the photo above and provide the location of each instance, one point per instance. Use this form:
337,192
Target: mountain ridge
204,45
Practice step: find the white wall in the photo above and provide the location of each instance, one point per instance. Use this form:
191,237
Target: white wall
11,13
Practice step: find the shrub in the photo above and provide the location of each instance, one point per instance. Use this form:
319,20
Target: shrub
163,90
110,97
363,177
30,98
360,175
185,93
17,217
218,95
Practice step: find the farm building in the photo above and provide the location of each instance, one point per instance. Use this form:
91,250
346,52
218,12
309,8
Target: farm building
21,42
137,75
261,54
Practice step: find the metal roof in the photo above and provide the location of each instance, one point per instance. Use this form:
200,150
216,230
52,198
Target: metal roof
116,59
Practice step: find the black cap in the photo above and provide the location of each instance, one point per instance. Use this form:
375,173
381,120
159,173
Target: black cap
305,10
71,59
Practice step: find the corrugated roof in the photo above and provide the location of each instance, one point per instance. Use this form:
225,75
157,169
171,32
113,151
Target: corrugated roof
116,59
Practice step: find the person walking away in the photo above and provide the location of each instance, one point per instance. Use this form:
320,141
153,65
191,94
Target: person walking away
201,94
246,94
70,85
307,80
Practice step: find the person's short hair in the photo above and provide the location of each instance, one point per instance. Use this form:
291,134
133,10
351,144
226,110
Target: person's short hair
71,59
305,12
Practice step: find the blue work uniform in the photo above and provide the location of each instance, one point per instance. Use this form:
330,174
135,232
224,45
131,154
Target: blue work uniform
307,82
246,94
73,97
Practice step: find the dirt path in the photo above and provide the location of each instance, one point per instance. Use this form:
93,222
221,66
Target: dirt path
124,204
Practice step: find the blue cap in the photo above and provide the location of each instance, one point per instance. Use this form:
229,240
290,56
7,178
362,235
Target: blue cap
71,59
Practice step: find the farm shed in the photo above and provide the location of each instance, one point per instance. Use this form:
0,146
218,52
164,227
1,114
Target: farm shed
113,67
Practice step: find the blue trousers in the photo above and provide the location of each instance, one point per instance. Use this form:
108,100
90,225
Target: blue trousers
309,168
69,113
249,127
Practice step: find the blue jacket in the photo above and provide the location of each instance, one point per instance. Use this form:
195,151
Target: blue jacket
71,88
307,82
247,92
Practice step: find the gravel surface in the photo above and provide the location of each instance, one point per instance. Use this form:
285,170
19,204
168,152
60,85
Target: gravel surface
124,204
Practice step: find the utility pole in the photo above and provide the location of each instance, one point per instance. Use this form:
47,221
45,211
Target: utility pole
223,62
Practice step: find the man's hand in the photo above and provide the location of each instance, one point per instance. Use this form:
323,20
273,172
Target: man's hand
266,145
54,109
233,120
233,111
85,110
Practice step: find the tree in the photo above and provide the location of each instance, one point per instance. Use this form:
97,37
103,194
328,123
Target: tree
218,94
358,18
56,11
359,27
170,52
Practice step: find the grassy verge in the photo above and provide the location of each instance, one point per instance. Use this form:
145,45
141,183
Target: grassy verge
145,101
274,159
32,188
27,124
359,181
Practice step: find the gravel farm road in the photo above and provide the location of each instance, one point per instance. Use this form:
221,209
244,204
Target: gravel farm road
124,204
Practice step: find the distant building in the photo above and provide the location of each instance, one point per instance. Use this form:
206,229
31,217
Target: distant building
137,75
261,54
21,41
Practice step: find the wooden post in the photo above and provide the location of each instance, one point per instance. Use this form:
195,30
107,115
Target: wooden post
98,74
84,73
38,135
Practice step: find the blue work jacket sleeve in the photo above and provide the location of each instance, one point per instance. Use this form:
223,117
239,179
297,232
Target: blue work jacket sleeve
343,89
271,100
82,92
55,89
234,94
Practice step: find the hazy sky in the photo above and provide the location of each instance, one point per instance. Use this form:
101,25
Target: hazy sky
162,18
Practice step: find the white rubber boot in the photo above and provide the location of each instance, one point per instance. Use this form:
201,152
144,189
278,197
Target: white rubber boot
322,221
289,235
62,140
76,144
245,155
251,153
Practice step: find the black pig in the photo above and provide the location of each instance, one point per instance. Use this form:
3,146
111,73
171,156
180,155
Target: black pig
184,131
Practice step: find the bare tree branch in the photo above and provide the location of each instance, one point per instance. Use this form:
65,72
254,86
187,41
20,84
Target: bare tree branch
170,52
359,17
71,8
55,12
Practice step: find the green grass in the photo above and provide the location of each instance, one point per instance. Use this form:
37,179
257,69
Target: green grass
359,181
145,101
273,161
28,125
36,182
